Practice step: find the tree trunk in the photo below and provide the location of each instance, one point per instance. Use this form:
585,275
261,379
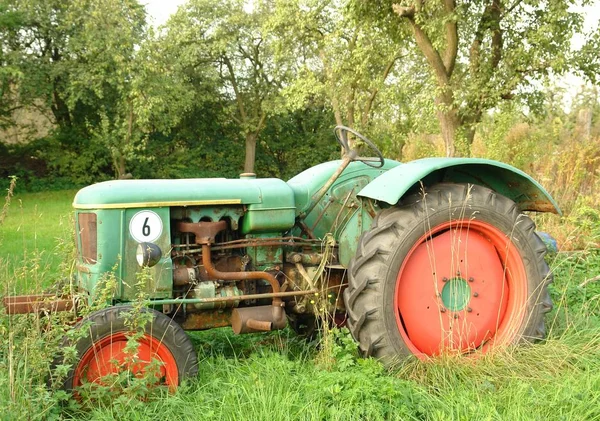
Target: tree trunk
60,110
119,164
447,115
469,131
250,152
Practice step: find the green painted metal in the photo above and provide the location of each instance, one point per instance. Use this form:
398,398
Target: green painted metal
502,178
340,212
116,255
275,213
208,290
160,282
456,294
267,257
202,191
306,184
110,243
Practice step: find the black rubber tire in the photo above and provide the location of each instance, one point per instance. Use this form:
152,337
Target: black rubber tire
111,320
373,271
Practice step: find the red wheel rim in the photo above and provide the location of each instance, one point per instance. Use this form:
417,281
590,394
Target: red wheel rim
462,287
108,356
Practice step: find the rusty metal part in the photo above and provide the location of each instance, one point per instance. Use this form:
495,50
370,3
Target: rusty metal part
213,273
290,239
205,232
183,275
259,325
207,320
369,207
310,259
22,304
205,235
305,228
258,319
180,301
88,234
229,264
211,289
252,242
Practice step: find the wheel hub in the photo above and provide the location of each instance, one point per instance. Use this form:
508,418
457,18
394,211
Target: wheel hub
456,294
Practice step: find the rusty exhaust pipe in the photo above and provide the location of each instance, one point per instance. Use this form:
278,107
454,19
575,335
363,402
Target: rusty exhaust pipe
38,303
257,319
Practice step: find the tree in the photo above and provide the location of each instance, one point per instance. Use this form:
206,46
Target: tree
77,60
482,52
224,48
339,59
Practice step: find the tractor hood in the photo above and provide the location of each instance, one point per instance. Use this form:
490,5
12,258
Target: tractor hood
121,194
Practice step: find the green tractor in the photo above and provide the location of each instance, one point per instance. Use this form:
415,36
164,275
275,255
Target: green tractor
416,259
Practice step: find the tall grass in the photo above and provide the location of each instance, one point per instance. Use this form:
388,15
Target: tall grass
278,376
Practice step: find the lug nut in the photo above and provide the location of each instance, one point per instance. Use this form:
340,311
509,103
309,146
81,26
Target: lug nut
469,309
456,316
444,279
442,310
476,294
471,279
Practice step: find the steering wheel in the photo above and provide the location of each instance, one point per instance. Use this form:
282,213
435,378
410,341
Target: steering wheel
341,134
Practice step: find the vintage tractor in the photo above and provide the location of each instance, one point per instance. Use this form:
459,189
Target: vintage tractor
421,258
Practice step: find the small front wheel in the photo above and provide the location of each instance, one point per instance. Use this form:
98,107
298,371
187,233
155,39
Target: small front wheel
456,268
102,349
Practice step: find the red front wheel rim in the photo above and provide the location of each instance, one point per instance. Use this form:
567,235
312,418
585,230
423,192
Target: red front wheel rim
462,287
108,356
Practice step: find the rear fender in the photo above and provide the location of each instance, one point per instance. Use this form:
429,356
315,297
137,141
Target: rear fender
509,181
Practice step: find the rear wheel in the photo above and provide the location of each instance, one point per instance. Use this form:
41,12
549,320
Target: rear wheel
456,269
102,349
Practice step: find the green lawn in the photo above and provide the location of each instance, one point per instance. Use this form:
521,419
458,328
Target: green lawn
35,238
278,376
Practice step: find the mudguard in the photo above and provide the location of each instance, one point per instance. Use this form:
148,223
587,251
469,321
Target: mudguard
509,181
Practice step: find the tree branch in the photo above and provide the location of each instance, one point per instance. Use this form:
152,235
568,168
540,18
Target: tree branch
490,20
510,9
451,37
425,44
497,41
234,85
367,110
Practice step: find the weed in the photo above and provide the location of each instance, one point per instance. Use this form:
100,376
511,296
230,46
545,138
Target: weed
7,199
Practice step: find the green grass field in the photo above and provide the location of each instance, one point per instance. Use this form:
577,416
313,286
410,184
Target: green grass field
36,234
278,376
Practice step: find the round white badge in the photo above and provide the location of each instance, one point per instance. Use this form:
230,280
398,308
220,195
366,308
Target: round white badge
145,226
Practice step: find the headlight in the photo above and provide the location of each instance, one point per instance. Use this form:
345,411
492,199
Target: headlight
148,254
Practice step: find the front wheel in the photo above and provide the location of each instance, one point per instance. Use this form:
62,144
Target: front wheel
456,268
103,348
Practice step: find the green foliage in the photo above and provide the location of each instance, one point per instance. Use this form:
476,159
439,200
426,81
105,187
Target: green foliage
337,58
482,53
